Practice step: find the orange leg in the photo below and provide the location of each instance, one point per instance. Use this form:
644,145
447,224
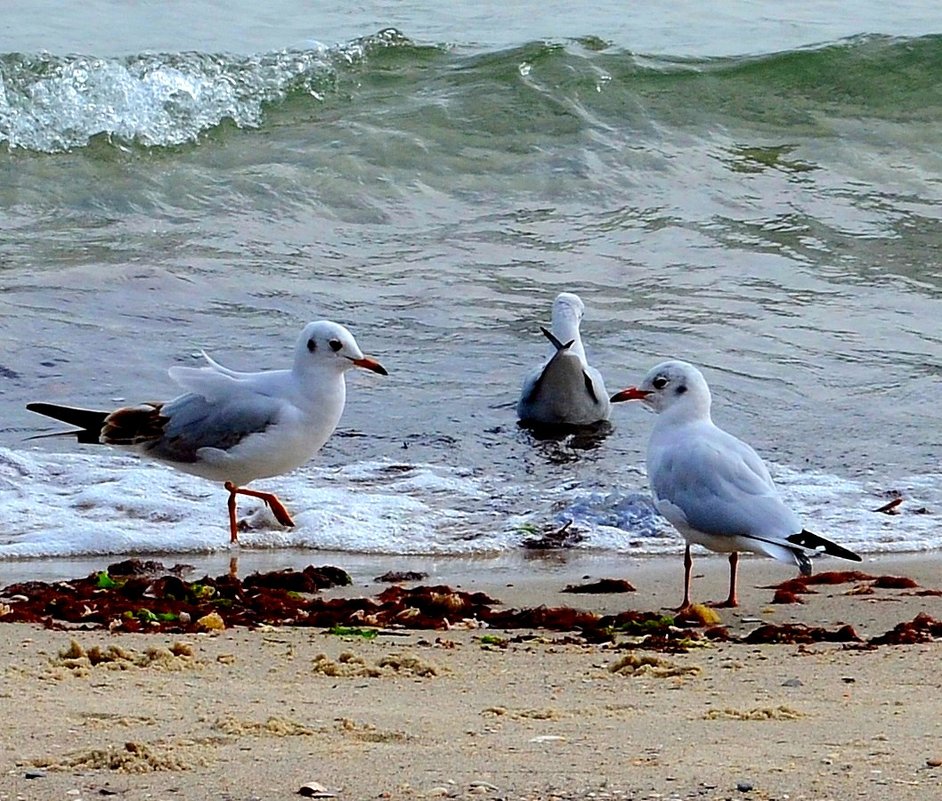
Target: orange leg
233,524
270,499
732,600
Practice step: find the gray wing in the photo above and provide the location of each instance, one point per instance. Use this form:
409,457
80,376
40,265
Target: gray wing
552,373
721,486
192,423
595,386
564,391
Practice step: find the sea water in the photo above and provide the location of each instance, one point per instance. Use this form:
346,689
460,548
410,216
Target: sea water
754,188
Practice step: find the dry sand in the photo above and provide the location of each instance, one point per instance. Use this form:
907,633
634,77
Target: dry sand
256,714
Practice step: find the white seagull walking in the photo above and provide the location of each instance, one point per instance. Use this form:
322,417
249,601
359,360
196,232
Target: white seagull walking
564,390
712,487
236,427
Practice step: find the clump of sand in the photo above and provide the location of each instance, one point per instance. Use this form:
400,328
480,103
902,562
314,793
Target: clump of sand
368,733
274,726
350,665
547,713
132,757
759,713
80,661
632,664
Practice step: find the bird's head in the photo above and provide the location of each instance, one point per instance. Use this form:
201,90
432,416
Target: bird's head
328,344
668,385
568,308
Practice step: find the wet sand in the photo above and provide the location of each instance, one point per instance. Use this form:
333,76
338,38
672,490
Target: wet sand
479,713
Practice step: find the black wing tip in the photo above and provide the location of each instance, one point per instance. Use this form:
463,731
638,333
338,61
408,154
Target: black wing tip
87,422
589,387
815,542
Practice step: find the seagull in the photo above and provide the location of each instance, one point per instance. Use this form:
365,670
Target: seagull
564,390
713,487
236,427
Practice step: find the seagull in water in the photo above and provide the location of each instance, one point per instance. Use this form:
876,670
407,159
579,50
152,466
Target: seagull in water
712,487
564,390
236,427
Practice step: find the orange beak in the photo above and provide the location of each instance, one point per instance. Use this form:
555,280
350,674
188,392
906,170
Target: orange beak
370,364
632,393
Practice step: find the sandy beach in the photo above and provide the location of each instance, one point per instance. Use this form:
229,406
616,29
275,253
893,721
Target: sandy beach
483,713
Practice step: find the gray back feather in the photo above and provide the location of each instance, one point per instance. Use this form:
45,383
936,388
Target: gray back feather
194,423
721,492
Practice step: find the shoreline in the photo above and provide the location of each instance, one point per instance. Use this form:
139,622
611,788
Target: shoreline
482,713
526,577
529,564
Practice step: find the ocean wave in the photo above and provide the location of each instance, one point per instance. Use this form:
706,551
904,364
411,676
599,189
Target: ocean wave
51,103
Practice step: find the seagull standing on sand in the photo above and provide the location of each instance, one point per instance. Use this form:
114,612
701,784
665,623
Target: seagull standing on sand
712,487
236,427
564,390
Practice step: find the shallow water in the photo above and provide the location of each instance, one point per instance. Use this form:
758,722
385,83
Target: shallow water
757,194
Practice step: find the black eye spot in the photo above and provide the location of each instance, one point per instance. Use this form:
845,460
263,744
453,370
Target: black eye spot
660,382
681,389
311,345
335,345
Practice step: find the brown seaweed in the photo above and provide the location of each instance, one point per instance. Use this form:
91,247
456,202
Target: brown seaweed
151,599
605,585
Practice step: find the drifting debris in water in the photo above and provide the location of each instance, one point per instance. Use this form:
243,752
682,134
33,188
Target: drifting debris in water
563,537
891,508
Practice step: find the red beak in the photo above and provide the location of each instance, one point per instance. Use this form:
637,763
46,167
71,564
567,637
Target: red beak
632,393
370,364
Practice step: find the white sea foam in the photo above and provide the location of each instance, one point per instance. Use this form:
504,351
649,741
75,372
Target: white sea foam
843,509
108,502
839,508
66,504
